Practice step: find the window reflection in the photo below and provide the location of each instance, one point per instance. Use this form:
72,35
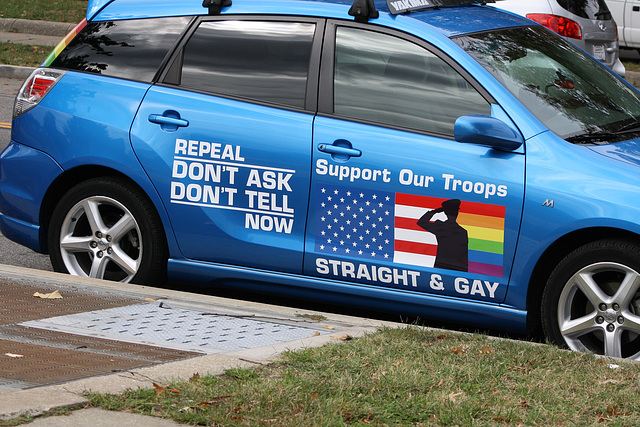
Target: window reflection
566,90
389,80
266,61
131,49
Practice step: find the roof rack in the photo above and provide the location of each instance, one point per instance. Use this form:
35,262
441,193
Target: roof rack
397,7
215,6
363,10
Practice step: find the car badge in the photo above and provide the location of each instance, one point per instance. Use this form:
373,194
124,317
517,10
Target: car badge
602,26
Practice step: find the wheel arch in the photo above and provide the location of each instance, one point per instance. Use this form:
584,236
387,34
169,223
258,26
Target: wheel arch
72,177
553,255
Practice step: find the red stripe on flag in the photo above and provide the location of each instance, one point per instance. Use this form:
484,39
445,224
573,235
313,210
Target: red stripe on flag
419,201
427,202
407,223
415,248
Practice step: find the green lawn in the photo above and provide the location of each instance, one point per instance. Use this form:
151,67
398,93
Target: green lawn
48,10
406,377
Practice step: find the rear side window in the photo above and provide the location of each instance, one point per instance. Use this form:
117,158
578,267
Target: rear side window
258,60
592,9
130,49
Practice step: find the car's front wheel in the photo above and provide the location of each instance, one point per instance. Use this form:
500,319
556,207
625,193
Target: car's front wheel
591,302
107,229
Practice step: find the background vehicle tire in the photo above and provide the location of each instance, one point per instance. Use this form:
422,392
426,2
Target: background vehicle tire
591,302
108,229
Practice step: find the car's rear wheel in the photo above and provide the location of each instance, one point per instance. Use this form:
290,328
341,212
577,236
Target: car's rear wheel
107,229
591,302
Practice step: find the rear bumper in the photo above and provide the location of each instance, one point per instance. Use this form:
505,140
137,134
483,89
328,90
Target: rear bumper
25,176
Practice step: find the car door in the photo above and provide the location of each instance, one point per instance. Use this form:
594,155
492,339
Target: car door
395,201
226,137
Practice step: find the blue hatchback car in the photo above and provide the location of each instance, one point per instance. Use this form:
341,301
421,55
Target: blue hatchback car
451,161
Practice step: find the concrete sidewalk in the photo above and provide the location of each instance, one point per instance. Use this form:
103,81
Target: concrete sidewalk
16,400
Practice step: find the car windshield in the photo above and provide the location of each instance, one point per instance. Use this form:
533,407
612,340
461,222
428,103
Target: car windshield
569,92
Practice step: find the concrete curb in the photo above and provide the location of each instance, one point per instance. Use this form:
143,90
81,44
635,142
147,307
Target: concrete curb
28,26
15,72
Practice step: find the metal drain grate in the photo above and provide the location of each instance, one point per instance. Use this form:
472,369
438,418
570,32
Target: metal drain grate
175,328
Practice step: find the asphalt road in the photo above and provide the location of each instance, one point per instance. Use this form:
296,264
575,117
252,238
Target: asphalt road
12,253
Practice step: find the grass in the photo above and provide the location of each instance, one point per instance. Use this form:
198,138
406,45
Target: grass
408,376
23,55
48,10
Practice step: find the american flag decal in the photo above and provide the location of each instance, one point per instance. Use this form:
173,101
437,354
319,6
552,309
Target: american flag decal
382,226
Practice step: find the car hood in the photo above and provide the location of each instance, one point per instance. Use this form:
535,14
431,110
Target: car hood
626,151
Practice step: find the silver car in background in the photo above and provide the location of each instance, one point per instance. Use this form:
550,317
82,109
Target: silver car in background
586,23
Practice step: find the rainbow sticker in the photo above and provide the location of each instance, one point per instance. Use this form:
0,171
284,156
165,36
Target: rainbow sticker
64,43
410,229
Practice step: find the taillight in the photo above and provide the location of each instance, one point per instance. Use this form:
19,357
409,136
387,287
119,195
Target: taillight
564,26
35,88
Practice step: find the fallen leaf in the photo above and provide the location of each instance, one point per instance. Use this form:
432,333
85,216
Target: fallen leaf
53,295
316,333
16,356
343,337
160,390
441,382
613,410
458,350
149,299
328,327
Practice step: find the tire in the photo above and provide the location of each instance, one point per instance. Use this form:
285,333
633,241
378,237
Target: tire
591,302
122,238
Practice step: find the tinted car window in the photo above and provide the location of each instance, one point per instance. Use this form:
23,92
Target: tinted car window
265,61
389,80
590,9
131,49
566,90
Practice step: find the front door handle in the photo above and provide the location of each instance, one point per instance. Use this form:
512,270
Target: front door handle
340,150
169,121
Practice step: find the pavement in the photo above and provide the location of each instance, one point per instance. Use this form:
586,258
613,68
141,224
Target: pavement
39,340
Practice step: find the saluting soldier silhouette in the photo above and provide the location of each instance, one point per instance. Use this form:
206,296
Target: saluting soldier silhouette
453,240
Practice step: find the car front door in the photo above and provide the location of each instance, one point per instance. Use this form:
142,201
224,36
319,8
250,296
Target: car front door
226,140
395,201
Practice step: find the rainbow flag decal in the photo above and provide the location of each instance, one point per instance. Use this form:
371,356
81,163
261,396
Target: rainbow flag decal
64,43
383,226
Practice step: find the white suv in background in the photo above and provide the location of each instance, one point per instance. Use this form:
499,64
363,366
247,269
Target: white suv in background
626,13
588,24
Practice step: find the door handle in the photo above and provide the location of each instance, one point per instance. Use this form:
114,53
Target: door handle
169,121
340,150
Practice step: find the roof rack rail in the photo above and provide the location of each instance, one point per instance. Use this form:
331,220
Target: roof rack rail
215,6
363,10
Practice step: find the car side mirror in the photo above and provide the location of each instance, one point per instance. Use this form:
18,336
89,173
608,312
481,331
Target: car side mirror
485,130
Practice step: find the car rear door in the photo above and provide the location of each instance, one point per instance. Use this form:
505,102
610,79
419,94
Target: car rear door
395,201
226,140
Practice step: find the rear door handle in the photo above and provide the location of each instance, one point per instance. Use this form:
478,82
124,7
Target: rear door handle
169,121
